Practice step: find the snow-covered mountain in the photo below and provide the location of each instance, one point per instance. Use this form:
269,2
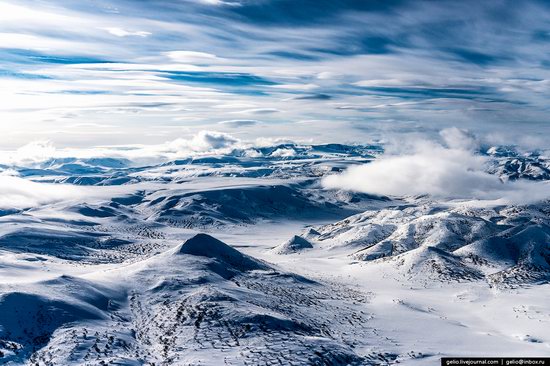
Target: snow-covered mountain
202,301
504,246
246,259
509,164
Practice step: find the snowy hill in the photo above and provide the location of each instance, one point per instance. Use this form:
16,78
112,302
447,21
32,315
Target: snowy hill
245,258
179,306
293,245
447,244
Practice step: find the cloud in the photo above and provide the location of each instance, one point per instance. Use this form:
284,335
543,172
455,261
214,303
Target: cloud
203,142
19,193
36,151
459,139
209,140
221,2
191,57
379,82
235,123
314,97
283,153
434,64
450,170
298,87
35,154
271,141
119,32
259,111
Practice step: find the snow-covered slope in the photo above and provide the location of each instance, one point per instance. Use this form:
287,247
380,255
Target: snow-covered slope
509,164
200,302
292,245
504,246
245,259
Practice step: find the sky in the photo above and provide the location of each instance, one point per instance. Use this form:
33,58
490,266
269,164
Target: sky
84,73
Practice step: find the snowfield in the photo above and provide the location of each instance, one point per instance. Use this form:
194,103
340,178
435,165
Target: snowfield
246,258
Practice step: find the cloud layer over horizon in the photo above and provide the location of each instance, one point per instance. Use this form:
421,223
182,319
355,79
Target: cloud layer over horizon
451,169
127,71
457,165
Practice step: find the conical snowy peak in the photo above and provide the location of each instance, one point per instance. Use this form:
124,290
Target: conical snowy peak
293,245
204,245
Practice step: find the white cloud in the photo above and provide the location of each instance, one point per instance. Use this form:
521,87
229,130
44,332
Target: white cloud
189,39
259,111
235,123
271,141
296,86
283,153
221,2
456,138
380,82
19,193
327,75
35,42
453,171
191,57
33,152
204,141
9,172
119,32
